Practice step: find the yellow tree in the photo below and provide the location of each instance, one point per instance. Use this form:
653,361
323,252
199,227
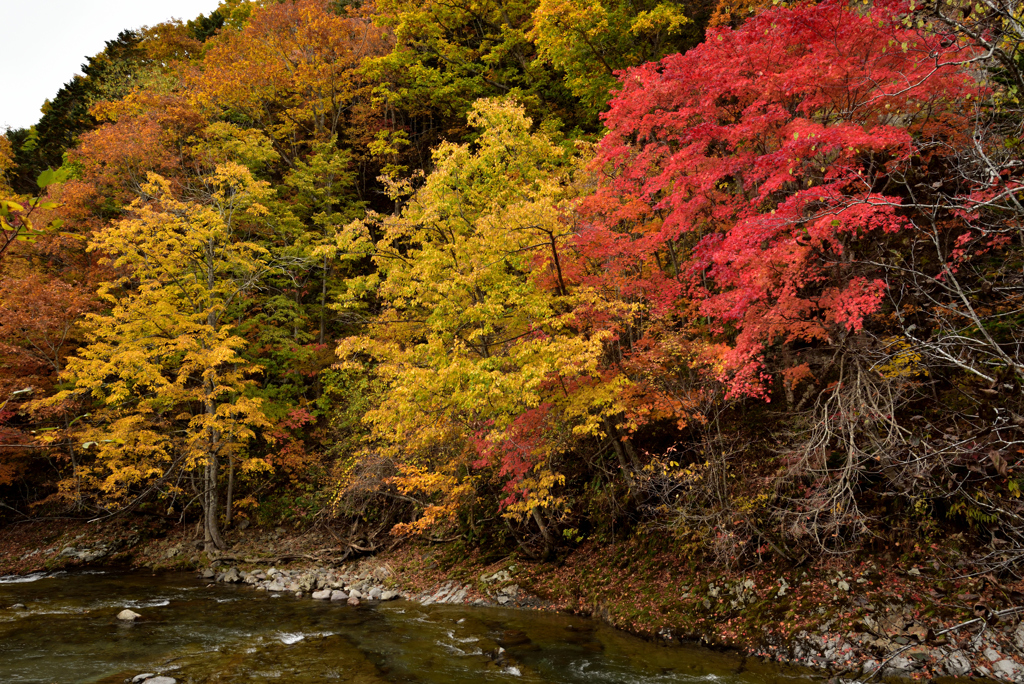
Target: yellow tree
163,364
478,345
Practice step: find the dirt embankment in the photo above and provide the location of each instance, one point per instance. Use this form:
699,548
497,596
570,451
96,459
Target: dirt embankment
909,615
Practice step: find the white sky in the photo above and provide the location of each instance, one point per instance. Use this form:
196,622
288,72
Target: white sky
44,43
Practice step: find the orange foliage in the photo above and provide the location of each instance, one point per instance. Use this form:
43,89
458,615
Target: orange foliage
292,70
735,12
145,132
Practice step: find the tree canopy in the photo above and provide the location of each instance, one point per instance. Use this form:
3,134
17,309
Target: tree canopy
526,273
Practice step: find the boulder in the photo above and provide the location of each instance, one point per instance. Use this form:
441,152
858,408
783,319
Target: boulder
128,615
353,601
388,595
957,665
231,576
322,595
901,664
375,593
1005,667
143,677
208,573
161,680
90,555
338,595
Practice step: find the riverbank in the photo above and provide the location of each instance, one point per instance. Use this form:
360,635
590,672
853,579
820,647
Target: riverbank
910,614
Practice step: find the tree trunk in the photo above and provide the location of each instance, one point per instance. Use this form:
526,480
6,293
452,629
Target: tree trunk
627,471
211,528
549,543
231,491
211,524
323,303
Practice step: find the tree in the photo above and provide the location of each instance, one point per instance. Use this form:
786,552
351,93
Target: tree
163,366
839,235
108,75
291,72
476,343
742,175
591,41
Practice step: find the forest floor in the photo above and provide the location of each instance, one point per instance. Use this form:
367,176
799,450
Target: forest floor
914,613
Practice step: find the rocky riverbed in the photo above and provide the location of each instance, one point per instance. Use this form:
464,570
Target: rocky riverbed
362,582
881,616
893,641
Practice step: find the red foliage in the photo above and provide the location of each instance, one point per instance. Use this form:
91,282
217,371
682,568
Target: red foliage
290,455
524,445
738,173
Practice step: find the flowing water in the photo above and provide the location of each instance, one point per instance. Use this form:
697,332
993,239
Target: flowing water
68,632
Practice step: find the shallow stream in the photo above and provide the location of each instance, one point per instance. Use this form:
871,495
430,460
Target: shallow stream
68,633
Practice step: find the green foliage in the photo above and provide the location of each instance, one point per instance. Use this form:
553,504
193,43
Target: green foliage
590,41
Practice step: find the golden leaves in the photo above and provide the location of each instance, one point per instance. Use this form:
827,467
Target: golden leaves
163,363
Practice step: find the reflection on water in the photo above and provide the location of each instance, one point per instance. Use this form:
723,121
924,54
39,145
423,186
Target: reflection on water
68,633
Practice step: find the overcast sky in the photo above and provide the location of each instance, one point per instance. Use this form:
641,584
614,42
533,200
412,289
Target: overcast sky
45,42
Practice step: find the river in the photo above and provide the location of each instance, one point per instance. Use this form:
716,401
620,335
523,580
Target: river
68,633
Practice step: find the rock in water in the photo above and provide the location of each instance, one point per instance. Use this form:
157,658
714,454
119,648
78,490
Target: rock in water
128,615
161,680
339,595
353,601
143,677
322,595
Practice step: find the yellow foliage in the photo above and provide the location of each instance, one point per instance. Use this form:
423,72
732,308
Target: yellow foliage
902,360
163,363
475,329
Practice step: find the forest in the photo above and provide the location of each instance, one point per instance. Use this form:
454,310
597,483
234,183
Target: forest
747,275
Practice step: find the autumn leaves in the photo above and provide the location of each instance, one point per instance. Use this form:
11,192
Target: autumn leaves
501,333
